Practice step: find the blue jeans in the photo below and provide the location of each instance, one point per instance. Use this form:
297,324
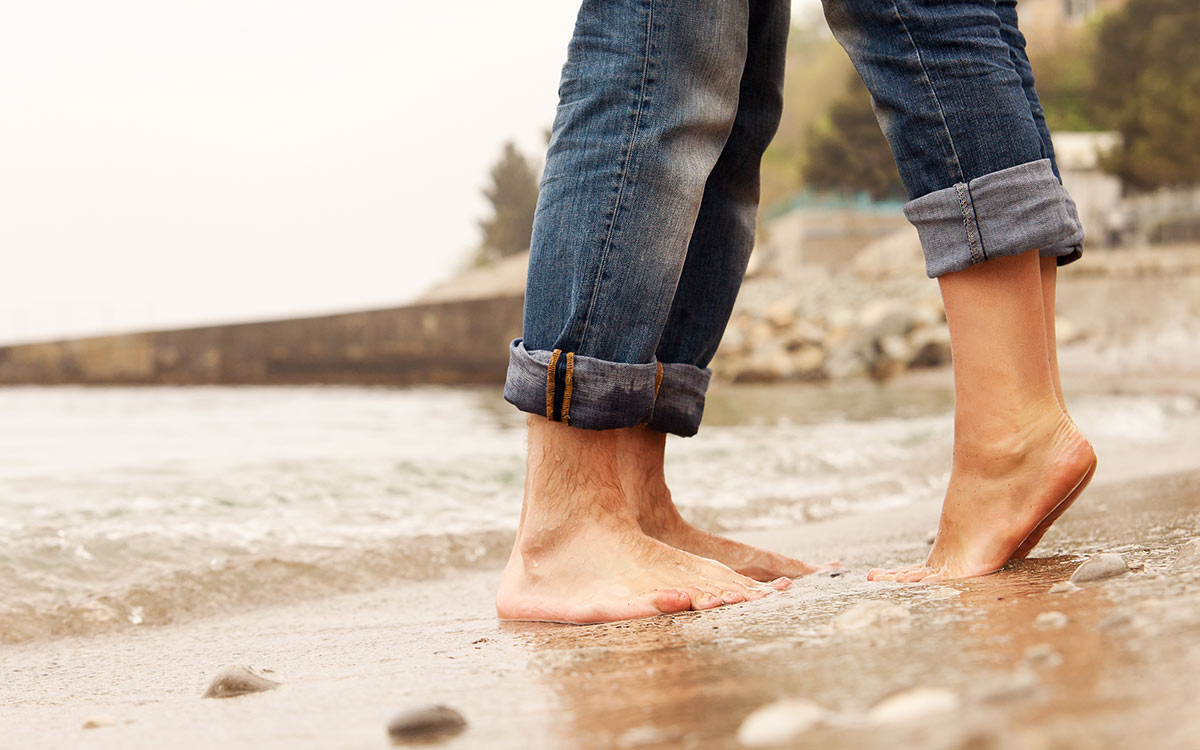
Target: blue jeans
649,198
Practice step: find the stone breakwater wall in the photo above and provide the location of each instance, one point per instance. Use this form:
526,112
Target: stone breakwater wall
456,342
883,338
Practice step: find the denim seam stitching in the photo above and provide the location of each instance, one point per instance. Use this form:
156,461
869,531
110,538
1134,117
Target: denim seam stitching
966,206
612,225
550,377
568,387
932,90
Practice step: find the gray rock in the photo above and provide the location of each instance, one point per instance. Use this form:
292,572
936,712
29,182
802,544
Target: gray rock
237,679
845,360
1100,567
425,724
930,346
1188,556
782,312
778,722
808,362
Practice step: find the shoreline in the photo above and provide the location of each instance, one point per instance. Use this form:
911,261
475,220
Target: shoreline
349,662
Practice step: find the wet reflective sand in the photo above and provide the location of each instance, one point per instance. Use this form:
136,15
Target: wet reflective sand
1118,666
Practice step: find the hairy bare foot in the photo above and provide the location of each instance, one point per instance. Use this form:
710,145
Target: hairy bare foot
580,555
603,573
1002,496
659,519
641,453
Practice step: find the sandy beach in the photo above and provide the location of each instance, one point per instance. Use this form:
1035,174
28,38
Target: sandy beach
1116,667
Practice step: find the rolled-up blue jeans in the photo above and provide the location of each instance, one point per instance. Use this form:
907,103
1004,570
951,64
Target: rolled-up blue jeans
648,202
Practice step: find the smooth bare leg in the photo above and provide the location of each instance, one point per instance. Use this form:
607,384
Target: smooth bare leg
641,455
1049,274
1049,271
580,555
1017,455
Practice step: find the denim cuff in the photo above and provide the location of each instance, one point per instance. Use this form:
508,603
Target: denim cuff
680,401
1007,212
596,394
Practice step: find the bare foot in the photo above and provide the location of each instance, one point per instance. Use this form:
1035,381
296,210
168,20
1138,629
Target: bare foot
1002,497
580,556
603,573
645,487
659,519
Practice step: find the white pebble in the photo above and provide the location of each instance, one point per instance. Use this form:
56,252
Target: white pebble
779,722
1188,556
1100,567
237,679
913,704
871,614
100,720
1050,620
1063,587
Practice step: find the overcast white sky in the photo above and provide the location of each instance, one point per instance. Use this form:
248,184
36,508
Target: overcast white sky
167,164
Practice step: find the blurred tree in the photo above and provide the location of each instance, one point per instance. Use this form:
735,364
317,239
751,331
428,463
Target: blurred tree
847,152
1147,87
1066,78
813,60
513,193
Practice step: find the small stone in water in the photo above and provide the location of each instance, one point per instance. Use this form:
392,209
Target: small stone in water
1099,567
236,679
1049,620
913,704
1063,587
95,722
424,724
779,722
872,613
1043,656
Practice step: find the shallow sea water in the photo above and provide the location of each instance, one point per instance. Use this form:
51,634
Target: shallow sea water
145,505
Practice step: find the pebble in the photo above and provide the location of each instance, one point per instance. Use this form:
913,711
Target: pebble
100,720
1100,567
913,704
778,722
237,679
424,724
1018,684
1050,620
944,592
1188,556
1063,587
870,614
1043,656
643,735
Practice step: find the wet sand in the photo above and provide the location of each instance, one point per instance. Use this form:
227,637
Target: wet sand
1120,667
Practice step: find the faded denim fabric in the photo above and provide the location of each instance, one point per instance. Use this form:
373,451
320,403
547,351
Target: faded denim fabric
649,198
954,94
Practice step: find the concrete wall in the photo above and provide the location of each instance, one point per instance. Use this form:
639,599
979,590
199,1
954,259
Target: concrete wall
445,343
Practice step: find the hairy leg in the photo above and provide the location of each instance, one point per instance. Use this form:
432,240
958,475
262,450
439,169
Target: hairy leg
580,555
1017,455
640,465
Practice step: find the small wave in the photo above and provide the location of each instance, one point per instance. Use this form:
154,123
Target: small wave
239,584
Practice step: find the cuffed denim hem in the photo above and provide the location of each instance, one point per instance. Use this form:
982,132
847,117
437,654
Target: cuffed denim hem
595,394
680,402
1007,212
